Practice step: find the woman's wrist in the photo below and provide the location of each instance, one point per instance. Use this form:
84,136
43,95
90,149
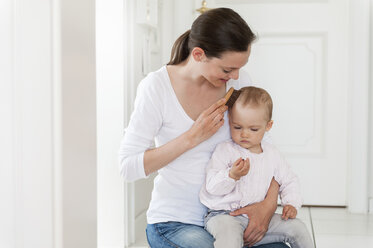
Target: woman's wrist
157,158
190,139
272,194
270,204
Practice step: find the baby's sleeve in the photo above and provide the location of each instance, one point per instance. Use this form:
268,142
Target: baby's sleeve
289,183
218,181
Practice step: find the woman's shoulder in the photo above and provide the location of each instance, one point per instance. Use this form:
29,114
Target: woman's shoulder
154,82
159,76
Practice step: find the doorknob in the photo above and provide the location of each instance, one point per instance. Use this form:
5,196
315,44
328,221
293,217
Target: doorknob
204,8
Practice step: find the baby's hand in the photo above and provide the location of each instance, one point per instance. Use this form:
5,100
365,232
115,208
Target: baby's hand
289,212
239,169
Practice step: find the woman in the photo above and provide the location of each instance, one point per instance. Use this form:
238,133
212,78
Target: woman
182,107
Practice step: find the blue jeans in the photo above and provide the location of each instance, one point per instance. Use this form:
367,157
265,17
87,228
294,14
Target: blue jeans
180,235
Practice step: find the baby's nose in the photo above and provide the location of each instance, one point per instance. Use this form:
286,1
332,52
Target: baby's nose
244,134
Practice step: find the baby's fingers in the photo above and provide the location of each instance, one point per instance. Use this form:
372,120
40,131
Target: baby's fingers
289,212
237,162
247,164
285,212
292,213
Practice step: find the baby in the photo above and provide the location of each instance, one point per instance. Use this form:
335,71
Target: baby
240,171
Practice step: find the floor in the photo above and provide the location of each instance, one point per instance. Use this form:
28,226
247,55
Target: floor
330,227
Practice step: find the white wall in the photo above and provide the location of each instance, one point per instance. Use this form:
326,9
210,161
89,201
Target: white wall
111,116
7,158
178,16
121,53
370,151
78,122
48,130
26,141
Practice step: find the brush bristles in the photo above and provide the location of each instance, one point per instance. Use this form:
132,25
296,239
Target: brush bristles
233,98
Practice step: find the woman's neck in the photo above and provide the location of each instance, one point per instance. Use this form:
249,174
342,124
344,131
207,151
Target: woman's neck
188,72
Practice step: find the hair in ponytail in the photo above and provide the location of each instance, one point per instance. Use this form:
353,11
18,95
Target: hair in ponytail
180,49
215,31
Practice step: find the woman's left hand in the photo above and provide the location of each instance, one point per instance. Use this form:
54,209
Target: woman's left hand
259,218
259,214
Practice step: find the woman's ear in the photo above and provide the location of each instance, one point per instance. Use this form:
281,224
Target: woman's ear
198,54
269,125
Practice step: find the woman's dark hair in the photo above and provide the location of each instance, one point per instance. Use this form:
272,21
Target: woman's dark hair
215,31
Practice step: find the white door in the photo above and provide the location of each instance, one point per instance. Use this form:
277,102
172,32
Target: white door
301,58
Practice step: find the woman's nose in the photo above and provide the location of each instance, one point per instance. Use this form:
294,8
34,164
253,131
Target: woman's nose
234,74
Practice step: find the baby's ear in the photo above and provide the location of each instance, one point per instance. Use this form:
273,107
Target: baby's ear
269,125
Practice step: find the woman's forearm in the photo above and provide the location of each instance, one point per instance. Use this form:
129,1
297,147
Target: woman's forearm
272,195
207,124
157,158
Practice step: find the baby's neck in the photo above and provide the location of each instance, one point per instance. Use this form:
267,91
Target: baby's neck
257,149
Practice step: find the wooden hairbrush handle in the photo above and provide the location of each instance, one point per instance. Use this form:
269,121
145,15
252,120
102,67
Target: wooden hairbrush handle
229,94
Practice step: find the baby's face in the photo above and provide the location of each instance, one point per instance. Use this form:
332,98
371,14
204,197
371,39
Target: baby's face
248,125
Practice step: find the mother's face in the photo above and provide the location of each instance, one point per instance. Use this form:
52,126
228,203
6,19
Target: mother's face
219,70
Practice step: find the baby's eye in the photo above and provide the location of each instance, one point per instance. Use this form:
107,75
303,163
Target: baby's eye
225,71
235,127
254,129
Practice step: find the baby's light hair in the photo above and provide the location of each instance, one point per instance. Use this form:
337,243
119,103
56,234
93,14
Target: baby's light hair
255,96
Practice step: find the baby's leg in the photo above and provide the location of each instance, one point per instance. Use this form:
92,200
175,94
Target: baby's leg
292,231
227,230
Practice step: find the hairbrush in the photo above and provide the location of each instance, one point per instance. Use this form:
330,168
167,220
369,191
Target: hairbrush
231,97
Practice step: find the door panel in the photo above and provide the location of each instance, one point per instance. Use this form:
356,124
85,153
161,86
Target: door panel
301,58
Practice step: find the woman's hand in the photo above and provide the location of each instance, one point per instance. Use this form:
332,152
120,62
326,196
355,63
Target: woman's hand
259,218
259,215
207,123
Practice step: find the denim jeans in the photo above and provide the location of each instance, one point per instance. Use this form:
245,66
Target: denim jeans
180,235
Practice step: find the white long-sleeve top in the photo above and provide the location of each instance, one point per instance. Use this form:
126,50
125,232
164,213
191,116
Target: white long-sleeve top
159,116
220,192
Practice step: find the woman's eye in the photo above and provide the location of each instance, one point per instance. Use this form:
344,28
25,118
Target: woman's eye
225,71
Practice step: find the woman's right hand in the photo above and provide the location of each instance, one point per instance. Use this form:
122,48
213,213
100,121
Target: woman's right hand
207,123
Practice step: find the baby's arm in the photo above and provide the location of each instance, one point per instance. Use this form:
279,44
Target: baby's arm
218,180
289,188
289,212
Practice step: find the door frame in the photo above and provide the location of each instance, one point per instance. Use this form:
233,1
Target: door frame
358,169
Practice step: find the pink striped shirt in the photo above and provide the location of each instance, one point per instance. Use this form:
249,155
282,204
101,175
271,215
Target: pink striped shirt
220,192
